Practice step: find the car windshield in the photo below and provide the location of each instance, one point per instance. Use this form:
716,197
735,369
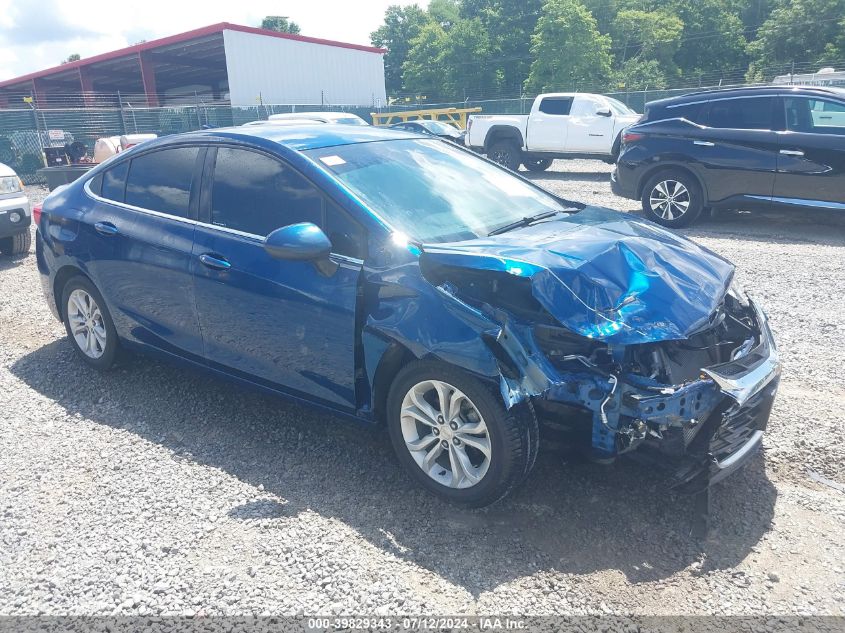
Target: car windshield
618,107
433,192
436,127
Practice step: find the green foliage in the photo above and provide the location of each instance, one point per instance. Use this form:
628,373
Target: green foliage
280,24
568,50
457,49
73,57
802,30
401,26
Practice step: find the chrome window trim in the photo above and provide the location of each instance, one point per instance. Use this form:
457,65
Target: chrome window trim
250,236
687,103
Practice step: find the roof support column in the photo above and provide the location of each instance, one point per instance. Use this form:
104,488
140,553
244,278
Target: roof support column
149,78
86,81
40,92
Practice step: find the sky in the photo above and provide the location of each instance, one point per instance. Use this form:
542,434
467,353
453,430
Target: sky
38,34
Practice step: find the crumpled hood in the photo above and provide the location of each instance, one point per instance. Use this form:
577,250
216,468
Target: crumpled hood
604,275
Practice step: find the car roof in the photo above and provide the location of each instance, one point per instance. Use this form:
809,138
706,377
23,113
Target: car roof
747,91
295,137
314,116
5,170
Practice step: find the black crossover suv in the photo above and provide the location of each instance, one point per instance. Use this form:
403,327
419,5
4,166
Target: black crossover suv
764,147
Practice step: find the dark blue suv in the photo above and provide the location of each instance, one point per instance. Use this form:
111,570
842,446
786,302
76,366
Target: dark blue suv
771,147
407,282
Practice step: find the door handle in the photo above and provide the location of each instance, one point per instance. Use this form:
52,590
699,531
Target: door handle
105,228
704,143
212,261
791,152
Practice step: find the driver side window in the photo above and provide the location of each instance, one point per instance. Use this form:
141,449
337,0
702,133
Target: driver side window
257,194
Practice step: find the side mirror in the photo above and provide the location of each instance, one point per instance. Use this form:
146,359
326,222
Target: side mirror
303,242
604,112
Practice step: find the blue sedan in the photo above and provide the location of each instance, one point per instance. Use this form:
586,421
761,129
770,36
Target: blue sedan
405,282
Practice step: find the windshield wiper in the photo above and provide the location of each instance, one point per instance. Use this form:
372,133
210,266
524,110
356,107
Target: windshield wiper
526,221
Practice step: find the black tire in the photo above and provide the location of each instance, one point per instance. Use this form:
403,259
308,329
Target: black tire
513,435
663,186
109,351
16,244
537,164
505,152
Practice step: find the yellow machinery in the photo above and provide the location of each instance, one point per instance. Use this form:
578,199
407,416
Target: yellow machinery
455,116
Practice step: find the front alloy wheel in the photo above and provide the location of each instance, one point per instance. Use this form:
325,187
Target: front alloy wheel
445,434
454,436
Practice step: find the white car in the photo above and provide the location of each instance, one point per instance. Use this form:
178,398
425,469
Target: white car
344,118
15,214
560,125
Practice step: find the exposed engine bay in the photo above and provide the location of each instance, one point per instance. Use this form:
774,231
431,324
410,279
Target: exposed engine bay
658,395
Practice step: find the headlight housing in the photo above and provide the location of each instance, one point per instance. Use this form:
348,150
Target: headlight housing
10,184
737,293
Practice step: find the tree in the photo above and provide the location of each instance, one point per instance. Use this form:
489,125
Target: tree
280,24
401,26
645,43
568,50
713,38
422,72
808,31
466,61
74,57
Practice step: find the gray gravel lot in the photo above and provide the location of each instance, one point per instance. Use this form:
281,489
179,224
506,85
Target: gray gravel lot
154,489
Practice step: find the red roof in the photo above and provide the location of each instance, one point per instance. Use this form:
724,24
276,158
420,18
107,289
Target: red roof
182,37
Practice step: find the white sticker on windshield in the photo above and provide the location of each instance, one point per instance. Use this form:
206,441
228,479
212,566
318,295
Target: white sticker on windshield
333,161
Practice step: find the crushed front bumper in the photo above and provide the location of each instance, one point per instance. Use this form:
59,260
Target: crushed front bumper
733,433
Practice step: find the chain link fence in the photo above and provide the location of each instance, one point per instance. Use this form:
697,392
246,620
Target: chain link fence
24,132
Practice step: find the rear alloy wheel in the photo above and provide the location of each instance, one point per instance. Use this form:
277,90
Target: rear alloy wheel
672,199
454,436
88,323
506,153
17,244
537,164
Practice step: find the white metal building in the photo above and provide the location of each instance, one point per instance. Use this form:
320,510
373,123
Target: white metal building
244,64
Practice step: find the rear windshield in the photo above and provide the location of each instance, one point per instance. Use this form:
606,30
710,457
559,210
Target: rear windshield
432,191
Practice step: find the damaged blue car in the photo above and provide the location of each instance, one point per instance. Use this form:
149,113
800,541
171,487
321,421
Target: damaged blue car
407,282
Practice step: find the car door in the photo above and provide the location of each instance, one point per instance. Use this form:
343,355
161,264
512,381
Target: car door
140,234
548,125
589,131
283,323
811,159
737,149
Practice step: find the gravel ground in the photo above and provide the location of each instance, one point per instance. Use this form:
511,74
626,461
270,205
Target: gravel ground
156,490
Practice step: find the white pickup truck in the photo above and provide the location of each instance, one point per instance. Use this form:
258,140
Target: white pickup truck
561,125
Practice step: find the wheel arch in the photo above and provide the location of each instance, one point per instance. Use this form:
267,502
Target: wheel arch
392,360
502,133
671,167
63,275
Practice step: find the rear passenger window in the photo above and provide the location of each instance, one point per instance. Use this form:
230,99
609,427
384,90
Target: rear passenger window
257,194
556,105
161,180
114,182
743,114
96,184
691,112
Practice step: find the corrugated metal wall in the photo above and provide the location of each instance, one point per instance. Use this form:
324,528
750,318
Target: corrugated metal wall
274,70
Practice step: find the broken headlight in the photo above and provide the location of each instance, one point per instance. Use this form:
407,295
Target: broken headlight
736,292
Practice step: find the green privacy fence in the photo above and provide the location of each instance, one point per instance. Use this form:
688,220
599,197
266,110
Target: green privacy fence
25,131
